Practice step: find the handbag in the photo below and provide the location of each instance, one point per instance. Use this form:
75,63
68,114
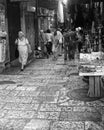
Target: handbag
16,50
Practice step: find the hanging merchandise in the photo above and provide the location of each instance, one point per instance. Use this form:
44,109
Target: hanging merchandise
2,50
93,27
60,12
2,34
101,8
86,5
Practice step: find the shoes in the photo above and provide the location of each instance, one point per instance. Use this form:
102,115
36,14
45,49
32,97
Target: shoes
21,69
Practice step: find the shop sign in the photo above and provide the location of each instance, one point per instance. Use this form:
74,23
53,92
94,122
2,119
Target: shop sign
31,9
46,12
43,11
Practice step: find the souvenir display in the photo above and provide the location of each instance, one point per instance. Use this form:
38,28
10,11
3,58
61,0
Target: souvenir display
2,34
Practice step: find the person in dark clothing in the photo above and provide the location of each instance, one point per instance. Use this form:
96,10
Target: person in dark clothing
80,39
49,40
69,45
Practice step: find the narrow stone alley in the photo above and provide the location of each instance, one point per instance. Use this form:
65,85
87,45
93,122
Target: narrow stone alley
47,95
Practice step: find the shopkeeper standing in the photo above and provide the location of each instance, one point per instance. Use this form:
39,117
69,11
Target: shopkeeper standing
80,38
69,45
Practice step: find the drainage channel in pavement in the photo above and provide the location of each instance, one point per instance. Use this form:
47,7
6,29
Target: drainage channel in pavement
7,82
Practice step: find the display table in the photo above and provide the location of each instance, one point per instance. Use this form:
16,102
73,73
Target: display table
94,71
95,84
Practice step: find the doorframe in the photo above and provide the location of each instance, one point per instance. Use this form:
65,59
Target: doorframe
10,59
7,29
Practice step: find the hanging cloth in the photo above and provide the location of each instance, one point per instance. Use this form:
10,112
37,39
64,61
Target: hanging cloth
60,12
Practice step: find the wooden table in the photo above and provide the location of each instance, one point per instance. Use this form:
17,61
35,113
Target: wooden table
95,83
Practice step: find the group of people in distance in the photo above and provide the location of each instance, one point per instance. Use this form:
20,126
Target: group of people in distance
73,43
51,43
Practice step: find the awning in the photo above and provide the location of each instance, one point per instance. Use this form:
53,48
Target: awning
49,4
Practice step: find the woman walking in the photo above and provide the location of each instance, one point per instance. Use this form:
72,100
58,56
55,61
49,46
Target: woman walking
23,45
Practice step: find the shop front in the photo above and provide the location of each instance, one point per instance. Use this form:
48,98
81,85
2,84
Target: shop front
20,17
88,20
28,21
46,19
14,25
4,46
14,16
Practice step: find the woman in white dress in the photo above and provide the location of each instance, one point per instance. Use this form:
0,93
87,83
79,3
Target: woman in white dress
22,43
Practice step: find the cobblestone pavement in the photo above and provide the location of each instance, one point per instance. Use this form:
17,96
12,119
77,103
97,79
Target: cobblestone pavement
41,98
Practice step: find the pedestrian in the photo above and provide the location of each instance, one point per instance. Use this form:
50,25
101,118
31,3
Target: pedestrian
80,38
55,46
49,41
60,39
45,45
41,42
66,42
23,48
69,45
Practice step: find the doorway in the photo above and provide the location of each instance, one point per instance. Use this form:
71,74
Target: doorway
14,25
30,28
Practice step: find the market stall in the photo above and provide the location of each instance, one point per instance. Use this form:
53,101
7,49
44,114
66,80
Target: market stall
89,15
3,34
92,65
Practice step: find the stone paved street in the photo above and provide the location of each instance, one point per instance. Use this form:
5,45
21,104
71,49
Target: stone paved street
42,97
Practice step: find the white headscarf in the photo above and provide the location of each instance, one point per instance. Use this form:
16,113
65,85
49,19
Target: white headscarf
20,32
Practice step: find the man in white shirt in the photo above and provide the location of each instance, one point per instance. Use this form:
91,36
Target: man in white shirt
60,39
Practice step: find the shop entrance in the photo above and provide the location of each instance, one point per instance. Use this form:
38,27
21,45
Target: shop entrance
30,28
14,25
